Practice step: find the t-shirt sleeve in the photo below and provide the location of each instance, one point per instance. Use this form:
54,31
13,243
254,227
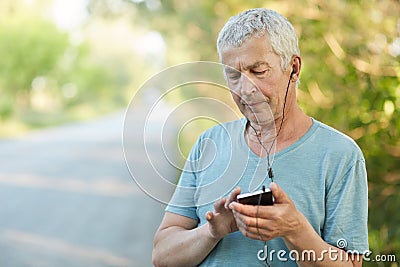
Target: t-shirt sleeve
182,201
346,212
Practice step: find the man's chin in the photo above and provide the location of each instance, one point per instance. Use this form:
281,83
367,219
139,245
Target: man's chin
262,121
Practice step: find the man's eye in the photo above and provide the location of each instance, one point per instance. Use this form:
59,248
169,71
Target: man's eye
259,72
234,76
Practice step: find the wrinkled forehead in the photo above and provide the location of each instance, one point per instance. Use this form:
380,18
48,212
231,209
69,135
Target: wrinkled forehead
253,53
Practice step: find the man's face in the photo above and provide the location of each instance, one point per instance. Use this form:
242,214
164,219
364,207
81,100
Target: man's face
256,79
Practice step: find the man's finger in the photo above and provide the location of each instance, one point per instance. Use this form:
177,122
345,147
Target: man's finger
209,216
248,210
279,195
233,196
219,205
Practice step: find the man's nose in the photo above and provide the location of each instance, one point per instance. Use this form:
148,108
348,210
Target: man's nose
247,87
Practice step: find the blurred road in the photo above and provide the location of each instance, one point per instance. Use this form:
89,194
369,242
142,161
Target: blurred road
67,199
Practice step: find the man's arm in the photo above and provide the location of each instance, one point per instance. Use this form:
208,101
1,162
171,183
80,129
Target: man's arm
179,242
326,254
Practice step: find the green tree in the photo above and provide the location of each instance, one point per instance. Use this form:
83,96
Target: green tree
28,48
46,77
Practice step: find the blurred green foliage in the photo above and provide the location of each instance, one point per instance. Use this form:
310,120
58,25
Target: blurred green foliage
46,77
350,77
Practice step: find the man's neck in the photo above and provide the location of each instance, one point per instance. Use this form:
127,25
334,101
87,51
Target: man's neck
294,127
296,123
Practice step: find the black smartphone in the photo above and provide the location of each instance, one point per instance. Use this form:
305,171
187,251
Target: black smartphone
253,198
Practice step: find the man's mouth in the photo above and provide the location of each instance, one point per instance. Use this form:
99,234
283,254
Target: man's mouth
248,103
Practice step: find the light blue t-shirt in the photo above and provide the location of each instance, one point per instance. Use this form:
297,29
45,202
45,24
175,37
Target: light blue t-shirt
323,173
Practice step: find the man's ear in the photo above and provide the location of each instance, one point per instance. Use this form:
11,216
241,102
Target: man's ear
296,67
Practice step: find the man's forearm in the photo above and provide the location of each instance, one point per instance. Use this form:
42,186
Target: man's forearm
176,246
312,250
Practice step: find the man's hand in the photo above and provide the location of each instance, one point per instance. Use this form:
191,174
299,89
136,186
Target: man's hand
221,221
282,219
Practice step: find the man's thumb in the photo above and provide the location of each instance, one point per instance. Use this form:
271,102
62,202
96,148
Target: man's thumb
278,193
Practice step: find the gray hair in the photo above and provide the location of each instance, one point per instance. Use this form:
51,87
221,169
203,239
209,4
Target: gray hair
255,23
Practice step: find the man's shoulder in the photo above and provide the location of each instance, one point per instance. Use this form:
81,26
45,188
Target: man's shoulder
230,127
335,139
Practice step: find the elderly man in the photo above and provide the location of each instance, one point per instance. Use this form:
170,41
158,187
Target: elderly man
319,216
